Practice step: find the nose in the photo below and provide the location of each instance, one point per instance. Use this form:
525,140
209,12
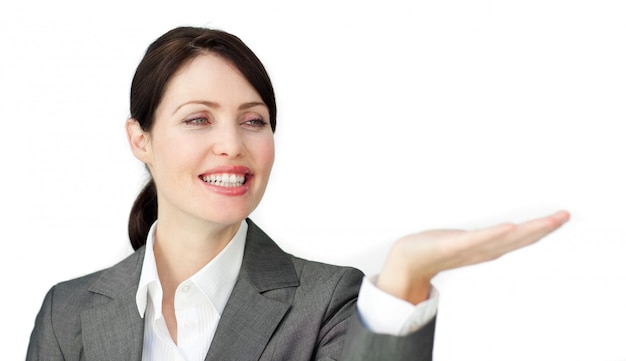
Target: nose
228,142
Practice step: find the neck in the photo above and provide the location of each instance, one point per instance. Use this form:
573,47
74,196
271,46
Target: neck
182,248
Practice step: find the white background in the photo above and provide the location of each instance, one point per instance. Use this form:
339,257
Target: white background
394,117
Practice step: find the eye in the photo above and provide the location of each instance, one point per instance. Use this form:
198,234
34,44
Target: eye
255,123
196,121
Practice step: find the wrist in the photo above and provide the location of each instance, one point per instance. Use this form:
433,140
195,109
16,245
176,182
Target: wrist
401,279
414,292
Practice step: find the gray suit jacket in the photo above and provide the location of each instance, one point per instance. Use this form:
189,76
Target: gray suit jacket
282,308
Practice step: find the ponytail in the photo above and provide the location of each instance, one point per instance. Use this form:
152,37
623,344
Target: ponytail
142,215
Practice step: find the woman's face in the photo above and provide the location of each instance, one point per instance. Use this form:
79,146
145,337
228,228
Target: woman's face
211,148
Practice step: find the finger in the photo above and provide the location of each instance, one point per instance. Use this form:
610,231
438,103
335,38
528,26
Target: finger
483,236
531,231
493,242
476,246
552,221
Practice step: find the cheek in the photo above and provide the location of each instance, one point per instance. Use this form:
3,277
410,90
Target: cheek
265,153
175,155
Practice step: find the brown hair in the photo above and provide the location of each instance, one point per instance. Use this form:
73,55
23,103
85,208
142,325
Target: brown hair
163,58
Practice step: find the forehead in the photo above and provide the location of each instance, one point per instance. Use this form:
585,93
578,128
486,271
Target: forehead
209,77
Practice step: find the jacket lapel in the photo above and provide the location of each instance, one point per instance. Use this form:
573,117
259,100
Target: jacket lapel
254,308
113,328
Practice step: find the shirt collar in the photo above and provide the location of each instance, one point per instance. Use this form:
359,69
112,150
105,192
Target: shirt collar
216,279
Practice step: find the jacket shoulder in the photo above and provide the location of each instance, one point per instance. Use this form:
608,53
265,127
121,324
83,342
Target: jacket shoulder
107,282
313,274
57,333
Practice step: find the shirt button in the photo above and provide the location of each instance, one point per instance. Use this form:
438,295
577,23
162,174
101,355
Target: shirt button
188,324
185,288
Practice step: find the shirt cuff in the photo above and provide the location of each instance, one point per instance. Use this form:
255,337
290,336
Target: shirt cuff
387,314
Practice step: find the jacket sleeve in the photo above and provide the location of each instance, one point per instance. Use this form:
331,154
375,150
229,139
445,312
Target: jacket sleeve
362,344
343,332
43,344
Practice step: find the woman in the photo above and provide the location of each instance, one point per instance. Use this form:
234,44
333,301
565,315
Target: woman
205,282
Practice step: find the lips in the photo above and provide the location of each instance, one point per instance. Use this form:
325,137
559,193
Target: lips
230,180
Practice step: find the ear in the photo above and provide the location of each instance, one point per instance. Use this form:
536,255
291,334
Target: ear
139,141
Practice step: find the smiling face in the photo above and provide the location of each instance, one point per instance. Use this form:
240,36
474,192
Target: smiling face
211,148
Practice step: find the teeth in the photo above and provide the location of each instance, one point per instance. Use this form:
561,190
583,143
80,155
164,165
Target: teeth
225,180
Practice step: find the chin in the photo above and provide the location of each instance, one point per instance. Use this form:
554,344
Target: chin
228,218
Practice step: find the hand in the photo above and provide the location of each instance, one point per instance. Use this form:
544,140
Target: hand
415,259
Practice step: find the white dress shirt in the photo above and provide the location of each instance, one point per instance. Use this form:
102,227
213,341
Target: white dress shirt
200,300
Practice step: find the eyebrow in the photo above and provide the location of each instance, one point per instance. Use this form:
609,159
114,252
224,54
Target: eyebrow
215,105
